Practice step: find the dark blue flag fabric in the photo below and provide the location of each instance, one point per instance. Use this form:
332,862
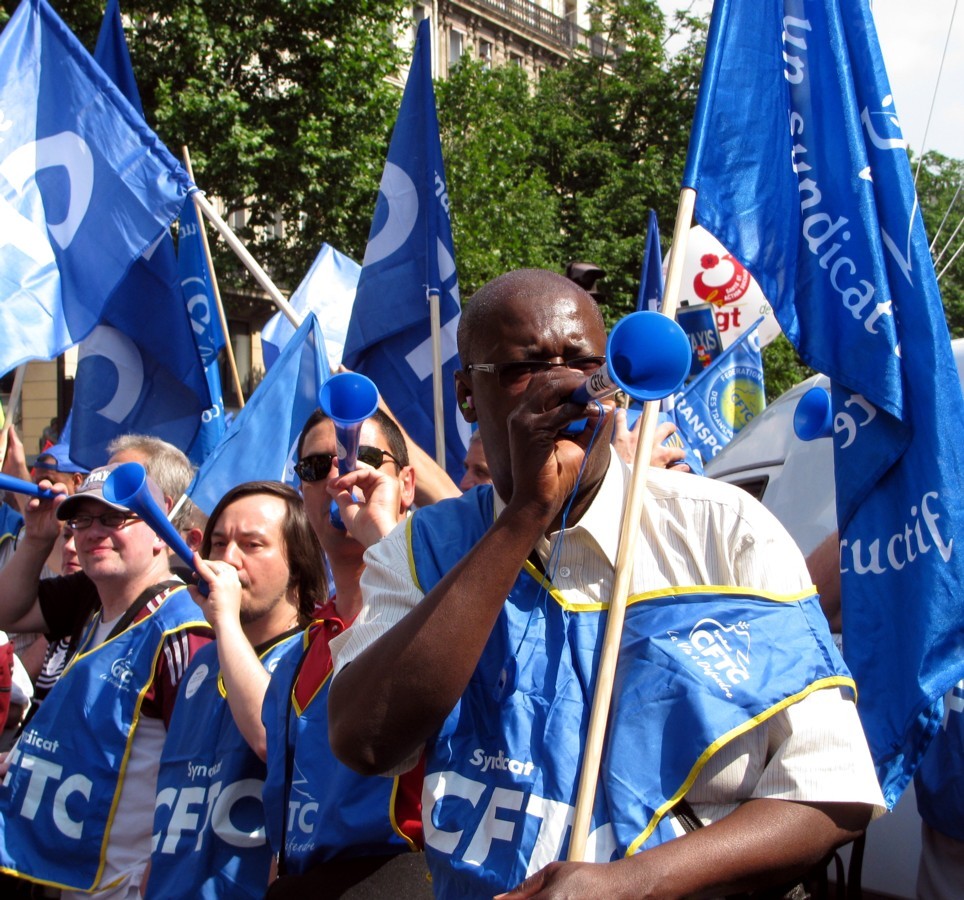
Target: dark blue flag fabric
724,397
409,256
139,371
260,443
85,187
801,171
113,56
651,276
198,291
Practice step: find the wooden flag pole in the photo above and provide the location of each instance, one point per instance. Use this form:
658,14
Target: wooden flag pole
629,528
228,347
435,318
250,263
13,405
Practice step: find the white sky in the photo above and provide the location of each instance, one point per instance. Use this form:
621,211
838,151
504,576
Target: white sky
912,36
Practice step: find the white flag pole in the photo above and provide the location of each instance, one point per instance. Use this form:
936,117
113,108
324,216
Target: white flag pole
629,529
228,347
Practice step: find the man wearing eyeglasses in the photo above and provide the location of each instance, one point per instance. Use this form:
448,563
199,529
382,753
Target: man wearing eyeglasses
333,829
76,804
477,650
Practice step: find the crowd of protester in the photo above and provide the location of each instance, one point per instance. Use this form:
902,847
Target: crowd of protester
327,695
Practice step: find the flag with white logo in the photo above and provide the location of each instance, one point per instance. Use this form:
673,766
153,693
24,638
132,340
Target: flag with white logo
651,275
139,371
87,187
261,442
801,171
410,256
328,290
724,398
197,290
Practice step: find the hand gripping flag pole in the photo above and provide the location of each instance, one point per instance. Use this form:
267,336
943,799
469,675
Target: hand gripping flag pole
632,510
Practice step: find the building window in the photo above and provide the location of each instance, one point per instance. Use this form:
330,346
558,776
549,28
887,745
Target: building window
485,53
516,60
456,47
419,12
241,345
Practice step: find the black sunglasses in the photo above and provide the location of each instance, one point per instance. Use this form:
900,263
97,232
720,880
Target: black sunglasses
318,465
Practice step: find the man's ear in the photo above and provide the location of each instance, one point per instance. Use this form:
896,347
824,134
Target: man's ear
407,480
193,537
463,394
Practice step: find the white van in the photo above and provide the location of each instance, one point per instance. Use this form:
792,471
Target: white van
794,480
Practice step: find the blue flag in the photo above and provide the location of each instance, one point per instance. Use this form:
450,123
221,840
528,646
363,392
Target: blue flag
724,397
113,56
261,441
409,256
198,292
651,277
328,290
139,371
85,187
802,173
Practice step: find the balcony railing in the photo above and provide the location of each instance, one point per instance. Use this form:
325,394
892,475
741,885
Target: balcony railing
532,18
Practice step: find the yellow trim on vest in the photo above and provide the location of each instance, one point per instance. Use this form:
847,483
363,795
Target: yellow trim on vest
719,743
135,718
411,555
723,590
391,817
299,711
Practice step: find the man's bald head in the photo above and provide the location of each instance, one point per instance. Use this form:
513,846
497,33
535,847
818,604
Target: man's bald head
527,287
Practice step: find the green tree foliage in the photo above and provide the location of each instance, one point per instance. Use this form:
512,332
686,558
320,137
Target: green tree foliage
568,167
286,106
942,206
507,214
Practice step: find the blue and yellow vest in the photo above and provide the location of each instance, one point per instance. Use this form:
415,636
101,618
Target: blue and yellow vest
501,775
208,807
332,812
939,782
58,799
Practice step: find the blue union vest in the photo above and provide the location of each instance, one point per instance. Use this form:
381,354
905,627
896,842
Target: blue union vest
939,782
332,811
208,807
57,801
502,774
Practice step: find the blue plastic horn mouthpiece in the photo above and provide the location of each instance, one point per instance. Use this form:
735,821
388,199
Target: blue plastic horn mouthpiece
347,399
19,486
648,356
127,486
813,417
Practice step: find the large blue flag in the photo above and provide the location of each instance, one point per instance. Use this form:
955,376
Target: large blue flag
328,290
198,291
650,295
139,371
261,441
802,173
410,256
724,397
85,187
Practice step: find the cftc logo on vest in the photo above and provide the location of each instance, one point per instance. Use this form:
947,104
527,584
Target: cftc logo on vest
121,673
720,652
47,792
302,816
478,823
226,810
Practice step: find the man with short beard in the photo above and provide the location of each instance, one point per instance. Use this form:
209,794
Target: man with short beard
262,566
